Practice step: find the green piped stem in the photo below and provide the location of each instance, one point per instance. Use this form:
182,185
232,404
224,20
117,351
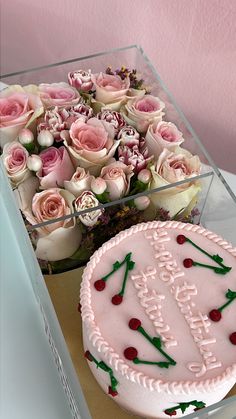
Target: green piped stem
217,270
129,266
183,406
230,300
125,277
159,364
117,266
157,345
104,367
227,268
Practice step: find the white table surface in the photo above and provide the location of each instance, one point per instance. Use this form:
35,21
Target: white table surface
30,385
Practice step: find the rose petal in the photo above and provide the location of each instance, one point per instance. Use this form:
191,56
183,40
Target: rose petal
59,244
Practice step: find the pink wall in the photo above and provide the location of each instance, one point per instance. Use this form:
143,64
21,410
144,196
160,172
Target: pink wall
192,43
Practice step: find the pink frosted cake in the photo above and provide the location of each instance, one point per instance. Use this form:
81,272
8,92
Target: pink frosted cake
158,304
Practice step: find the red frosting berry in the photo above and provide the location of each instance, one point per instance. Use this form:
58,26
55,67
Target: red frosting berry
113,393
79,308
232,338
134,324
197,408
170,413
130,353
117,299
100,284
188,263
88,355
215,315
181,239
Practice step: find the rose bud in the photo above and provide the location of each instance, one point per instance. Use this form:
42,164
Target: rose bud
144,176
45,138
142,202
34,163
25,136
98,185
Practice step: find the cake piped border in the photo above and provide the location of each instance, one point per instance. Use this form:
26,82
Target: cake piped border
94,334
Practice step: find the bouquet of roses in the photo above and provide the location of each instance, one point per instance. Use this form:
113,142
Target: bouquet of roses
70,149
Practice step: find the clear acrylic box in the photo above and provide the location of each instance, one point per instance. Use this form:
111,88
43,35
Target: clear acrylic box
216,206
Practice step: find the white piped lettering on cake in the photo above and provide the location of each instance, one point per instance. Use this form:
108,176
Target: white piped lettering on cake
150,300
199,323
199,326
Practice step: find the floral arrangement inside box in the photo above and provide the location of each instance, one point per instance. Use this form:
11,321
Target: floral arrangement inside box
73,146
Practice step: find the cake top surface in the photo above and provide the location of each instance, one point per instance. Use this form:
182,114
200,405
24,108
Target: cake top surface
159,303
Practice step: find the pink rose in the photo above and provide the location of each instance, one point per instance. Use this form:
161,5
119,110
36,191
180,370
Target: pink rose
110,89
88,200
170,168
117,177
140,112
174,167
80,182
60,239
163,135
56,167
18,108
15,158
81,80
91,144
58,94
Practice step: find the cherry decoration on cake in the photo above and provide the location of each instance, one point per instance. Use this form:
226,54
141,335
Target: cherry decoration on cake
131,353
172,411
215,314
232,338
102,365
188,262
100,284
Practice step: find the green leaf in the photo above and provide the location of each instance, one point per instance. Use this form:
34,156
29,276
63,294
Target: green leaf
131,265
116,265
220,271
230,294
103,198
217,258
200,405
128,256
183,406
138,187
163,364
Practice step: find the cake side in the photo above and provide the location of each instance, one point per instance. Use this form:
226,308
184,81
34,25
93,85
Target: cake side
165,297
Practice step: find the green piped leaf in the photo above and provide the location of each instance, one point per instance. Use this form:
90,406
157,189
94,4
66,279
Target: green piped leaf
230,294
131,265
220,271
217,258
183,406
116,265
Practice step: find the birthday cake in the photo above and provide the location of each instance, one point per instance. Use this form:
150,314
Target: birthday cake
158,304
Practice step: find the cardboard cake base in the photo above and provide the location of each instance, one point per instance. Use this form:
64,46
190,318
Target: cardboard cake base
64,291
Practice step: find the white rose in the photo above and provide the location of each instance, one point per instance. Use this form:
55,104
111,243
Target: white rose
170,168
80,182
